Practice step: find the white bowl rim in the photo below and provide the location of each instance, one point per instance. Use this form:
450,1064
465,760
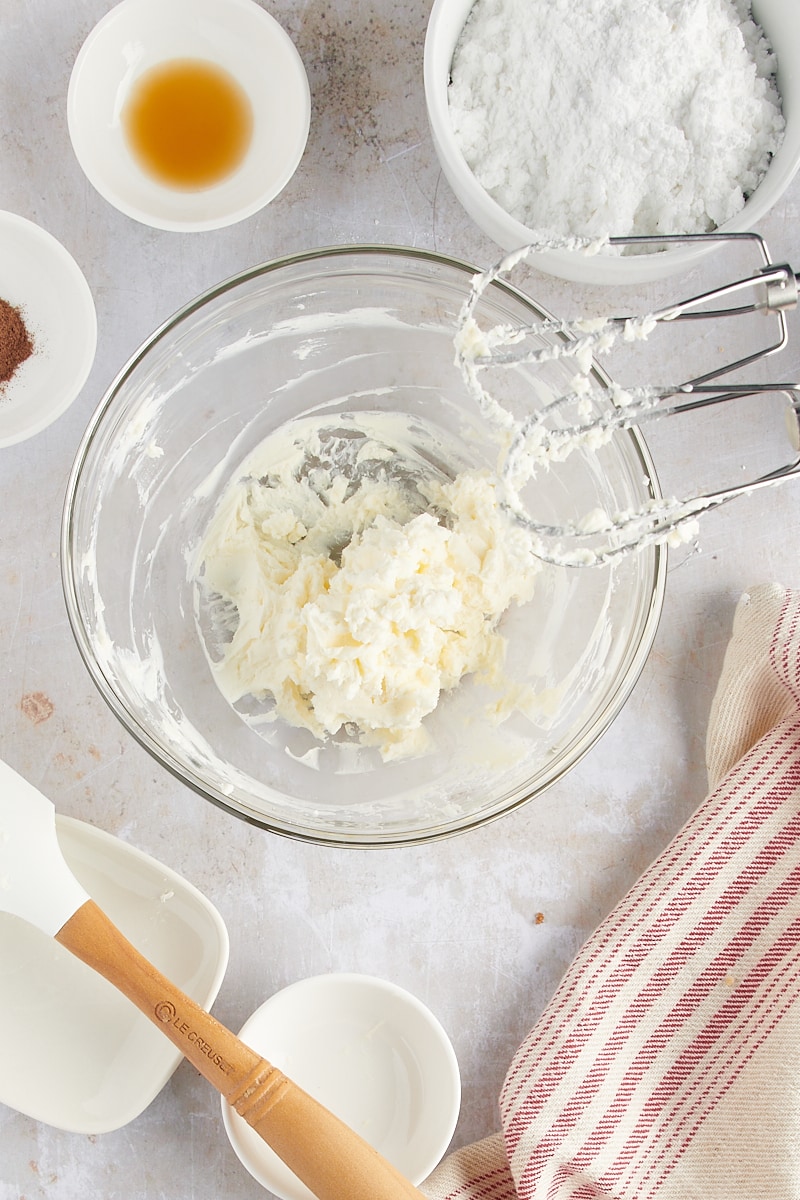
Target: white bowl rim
122,1099
259,194
317,988
60,386
571,265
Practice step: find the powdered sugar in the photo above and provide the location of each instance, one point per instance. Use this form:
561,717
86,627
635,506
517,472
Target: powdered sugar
590,117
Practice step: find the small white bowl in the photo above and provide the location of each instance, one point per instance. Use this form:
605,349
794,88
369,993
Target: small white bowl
40,277
76,1053
371,1053
778,20
235,35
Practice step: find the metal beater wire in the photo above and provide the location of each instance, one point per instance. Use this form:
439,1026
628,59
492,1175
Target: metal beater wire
773,289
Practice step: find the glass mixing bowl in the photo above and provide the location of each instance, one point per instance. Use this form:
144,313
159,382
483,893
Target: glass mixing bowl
348,329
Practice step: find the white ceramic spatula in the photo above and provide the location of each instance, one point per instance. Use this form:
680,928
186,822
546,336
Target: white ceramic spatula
37,885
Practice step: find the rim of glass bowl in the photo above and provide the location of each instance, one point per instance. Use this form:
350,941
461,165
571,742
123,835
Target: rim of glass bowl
181,771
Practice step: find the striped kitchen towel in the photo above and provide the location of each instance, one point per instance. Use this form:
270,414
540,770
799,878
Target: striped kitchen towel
667,1063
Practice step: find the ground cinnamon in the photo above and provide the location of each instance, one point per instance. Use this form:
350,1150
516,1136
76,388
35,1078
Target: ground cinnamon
15,342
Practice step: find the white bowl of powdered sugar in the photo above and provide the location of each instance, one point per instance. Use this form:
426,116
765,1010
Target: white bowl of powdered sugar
563,124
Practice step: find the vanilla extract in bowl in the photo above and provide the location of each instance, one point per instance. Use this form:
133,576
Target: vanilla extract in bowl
189,123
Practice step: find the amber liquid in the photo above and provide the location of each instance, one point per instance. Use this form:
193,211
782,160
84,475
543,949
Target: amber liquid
188,122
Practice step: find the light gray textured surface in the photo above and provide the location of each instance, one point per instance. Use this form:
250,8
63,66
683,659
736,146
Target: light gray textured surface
455,922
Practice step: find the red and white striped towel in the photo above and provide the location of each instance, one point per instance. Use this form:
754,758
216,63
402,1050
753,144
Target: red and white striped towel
667,1063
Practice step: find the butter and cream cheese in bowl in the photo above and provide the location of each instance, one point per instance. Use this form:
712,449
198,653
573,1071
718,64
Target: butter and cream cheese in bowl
291,573
356,598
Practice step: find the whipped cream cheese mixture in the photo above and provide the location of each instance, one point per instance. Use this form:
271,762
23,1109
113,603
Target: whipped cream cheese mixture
348,582
624,117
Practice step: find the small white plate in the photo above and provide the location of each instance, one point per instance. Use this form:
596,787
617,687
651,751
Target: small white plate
76,1053
41,278
236,35
371,1053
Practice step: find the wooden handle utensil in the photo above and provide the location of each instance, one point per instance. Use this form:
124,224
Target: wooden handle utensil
329,1157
